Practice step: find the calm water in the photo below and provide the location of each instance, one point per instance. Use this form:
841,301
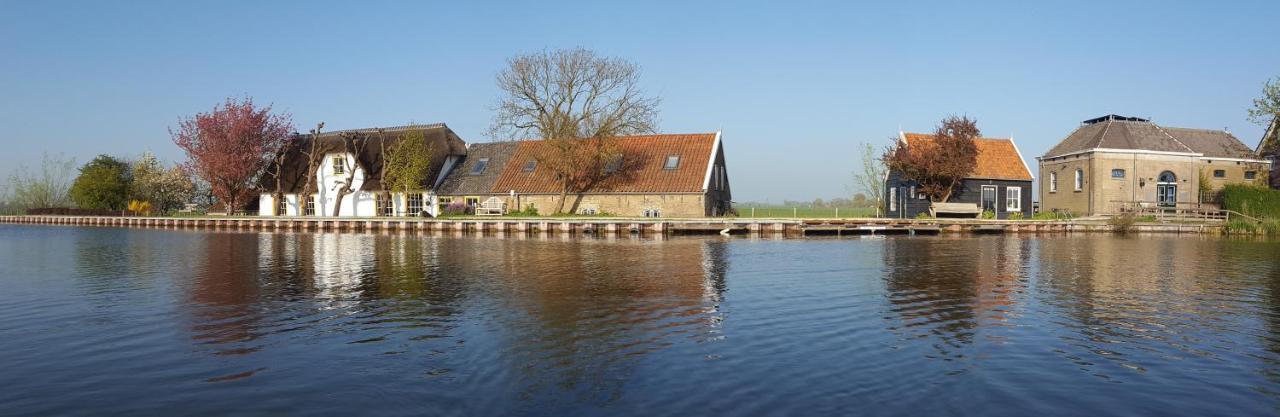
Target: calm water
100,321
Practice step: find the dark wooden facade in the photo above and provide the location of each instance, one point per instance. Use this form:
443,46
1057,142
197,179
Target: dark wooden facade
902,200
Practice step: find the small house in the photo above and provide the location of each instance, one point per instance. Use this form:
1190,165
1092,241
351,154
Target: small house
316,169
666,175
1000,183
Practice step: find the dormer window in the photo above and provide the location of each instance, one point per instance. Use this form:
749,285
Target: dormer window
480,166
339,165
613,165
530,166
673,162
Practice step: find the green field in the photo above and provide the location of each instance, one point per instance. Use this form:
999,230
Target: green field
802,212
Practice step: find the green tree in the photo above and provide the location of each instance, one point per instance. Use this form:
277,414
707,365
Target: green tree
869,179
104,183
1267,107
407,162
44,187
1266,112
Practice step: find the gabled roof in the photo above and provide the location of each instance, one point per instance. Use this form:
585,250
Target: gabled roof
644,171
462,178
1131,133
998,159
440,139
1269,146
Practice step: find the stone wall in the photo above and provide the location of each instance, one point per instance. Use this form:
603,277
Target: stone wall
1234,172
1065,197
1102,191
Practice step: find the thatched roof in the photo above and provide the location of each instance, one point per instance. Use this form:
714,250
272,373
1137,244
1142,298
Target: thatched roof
439,138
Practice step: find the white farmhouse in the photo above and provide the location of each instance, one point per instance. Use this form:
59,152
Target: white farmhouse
356,156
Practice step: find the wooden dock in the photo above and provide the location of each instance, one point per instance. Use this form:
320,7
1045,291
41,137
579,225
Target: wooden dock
608,226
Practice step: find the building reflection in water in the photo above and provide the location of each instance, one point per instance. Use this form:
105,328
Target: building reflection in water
579,316
568,314
953,293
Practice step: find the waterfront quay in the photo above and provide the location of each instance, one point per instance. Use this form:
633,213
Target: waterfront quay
618,226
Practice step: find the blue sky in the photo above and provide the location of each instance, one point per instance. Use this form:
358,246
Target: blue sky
795,86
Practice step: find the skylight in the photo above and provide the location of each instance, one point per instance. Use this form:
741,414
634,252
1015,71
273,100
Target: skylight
673,162
480,165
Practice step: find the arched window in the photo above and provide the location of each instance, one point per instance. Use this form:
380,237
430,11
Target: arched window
1079,179
1168,177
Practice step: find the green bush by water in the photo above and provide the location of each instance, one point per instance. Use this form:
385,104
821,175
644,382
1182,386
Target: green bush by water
1252,200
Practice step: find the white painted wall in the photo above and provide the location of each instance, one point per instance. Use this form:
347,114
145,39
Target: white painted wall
356,204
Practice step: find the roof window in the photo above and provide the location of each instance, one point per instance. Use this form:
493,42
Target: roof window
480,166
530,166
673,162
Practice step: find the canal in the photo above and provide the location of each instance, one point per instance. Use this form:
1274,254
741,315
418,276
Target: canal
116,321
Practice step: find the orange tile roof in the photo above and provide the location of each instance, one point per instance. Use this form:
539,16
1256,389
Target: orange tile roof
648,153
997,158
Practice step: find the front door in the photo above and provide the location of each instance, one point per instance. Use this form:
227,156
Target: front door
1167,195
1167,190
989,198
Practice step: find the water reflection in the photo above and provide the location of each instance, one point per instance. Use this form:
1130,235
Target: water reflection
944,293
567,314
247,323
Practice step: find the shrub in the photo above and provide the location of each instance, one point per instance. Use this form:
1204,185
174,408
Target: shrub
1241,226
528,211
139,207
923,215
456,208
1045,215
1122,223
1146,219
988,214
1252,200
1017,215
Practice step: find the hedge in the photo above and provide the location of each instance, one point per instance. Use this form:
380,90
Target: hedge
1252,200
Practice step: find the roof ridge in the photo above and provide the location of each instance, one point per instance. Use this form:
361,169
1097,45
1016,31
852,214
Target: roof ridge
1166,133
387,129
1102,137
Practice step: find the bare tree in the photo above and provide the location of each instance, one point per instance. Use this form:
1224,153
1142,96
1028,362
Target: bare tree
313,156
277,168
869,178
353,144
578,102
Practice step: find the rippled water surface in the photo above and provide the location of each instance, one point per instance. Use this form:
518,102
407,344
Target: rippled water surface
102,321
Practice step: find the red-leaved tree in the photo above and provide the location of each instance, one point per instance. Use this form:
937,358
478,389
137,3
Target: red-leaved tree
230,146
940,163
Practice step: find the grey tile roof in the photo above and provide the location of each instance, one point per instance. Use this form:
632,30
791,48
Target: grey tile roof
461,182
1114,132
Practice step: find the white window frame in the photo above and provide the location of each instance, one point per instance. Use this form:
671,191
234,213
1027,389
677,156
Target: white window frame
309,206
1012,202
410,200
1079,179
383,205
893,198
1053,182
671,163
339,165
